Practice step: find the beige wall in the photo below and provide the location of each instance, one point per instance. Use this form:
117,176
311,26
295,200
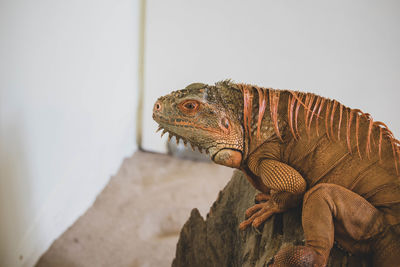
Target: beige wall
68,81
348,50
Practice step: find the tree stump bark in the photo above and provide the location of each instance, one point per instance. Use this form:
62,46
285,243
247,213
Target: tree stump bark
217,241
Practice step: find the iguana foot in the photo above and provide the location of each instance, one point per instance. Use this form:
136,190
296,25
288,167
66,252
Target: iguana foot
297,256
259,213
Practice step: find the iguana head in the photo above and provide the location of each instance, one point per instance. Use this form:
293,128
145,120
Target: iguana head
208,117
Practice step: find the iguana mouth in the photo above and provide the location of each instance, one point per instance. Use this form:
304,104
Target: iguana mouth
212,149
183,123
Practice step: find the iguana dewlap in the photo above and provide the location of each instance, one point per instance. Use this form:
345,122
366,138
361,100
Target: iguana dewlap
299,148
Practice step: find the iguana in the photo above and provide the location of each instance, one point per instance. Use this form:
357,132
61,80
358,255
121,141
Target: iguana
298,148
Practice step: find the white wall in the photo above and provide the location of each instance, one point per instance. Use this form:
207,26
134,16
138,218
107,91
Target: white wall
68,82
348,50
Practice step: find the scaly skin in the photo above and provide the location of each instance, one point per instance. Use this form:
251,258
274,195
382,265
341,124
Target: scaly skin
299,148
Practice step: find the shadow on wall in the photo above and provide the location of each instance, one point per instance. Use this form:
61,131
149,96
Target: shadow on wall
15,190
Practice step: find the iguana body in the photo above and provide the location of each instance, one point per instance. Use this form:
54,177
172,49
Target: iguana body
299,148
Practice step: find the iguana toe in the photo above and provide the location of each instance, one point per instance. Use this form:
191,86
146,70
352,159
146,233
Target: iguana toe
259,213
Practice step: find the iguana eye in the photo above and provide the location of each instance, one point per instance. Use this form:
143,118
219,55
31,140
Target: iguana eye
189,106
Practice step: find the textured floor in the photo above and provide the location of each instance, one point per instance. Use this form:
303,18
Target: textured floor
136,220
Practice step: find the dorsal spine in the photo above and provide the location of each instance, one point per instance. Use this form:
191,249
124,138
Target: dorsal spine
312,106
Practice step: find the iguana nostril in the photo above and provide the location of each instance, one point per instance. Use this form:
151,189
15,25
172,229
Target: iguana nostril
157,106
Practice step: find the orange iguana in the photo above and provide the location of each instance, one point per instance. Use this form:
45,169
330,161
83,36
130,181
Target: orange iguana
299,148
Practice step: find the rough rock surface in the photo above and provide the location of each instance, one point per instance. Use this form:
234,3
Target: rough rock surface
217,241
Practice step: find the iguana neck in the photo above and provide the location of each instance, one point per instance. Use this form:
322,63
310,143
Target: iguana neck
265,132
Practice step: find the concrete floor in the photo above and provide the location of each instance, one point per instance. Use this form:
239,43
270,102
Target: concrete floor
136,220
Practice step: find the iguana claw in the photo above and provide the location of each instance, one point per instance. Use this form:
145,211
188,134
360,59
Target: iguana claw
258,214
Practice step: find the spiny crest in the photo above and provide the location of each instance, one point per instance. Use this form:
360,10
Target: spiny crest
225,83
264,95
313,105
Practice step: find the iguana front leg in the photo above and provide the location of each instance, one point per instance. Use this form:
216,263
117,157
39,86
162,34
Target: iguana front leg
286,186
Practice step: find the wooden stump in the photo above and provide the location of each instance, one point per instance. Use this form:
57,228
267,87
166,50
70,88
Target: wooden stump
217,241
